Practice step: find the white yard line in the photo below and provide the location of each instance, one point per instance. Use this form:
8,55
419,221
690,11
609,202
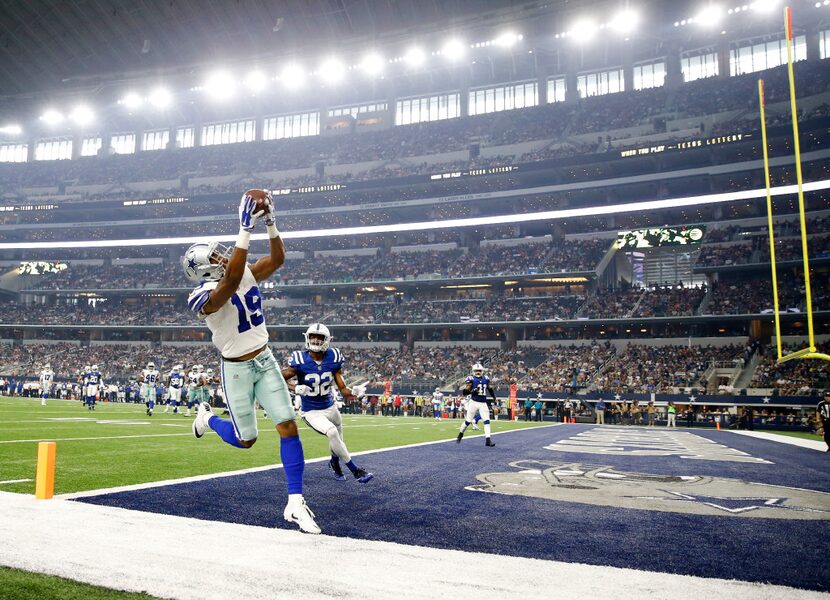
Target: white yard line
154,484
101,437
15,481
88,543
783,439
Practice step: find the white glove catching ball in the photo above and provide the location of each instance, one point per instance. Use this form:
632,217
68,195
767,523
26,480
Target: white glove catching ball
302,390
358,391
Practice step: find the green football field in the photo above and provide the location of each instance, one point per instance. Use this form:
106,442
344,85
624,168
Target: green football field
118,444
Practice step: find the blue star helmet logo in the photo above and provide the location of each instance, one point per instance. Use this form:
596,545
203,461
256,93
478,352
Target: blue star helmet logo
191,262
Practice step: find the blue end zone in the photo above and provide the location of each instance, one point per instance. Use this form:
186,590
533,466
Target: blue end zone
419,497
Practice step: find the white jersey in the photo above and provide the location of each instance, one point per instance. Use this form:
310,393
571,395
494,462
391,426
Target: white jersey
150,377
46,378
239,326
437,399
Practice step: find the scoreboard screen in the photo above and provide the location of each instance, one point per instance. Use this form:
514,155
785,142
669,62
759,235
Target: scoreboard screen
40,267
660,237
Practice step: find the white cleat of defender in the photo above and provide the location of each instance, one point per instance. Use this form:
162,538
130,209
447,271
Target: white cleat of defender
297,511
203,415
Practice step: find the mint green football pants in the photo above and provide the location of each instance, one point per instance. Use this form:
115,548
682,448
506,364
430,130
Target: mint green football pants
245,383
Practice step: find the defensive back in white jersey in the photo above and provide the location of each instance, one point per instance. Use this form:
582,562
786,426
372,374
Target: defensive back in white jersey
239,326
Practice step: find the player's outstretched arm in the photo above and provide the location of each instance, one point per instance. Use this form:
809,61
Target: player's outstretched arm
357,391
235,268
265,266
288,373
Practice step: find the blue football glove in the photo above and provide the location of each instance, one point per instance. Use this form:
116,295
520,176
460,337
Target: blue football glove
247,216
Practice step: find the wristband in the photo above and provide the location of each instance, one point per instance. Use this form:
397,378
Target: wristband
273,232
243,239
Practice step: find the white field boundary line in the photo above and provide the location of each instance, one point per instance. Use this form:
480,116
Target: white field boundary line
87,542
153,435
783,439
15,481
195,478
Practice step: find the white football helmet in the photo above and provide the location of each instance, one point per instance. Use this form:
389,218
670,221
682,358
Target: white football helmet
94,367
47,366
151,366
86,369
200,368
178,367
210,372
437,389
317,329
205,261
478,369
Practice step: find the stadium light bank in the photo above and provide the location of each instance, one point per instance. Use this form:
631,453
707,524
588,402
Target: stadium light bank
549,215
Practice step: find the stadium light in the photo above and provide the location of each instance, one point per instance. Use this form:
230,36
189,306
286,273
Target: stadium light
11,129
255,81
765,6
625,21
507,39
331,71
454,50
709,16
51,117
372,64
415,57
220,85
82,115
131,100
160,98
292,76
583,30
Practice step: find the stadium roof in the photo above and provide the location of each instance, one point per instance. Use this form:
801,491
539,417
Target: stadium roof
47,45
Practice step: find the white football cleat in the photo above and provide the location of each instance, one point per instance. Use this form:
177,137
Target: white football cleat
297,511
203,415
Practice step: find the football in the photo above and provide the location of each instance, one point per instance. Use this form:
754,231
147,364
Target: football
259,196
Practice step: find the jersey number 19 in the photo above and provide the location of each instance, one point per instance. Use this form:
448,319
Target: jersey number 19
252,307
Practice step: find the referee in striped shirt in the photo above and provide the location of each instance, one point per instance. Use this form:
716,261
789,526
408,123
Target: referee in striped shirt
823,416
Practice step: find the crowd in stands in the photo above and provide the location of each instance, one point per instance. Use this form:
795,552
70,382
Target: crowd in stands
595,366
568,368
548,122
669,301
800,377
660,369
569,256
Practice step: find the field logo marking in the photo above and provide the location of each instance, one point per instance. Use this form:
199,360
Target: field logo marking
604,485
615,441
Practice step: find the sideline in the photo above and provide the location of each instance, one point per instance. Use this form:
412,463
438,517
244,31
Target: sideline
783,439
89,543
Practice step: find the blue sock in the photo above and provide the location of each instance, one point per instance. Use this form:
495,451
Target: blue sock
152,405
293,462
225,430
352,466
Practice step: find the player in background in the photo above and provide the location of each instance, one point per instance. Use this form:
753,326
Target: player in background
175,381
194,393
437,401
83,380
316,368
64,390
228,298
149,377
47,377
94,382
478,388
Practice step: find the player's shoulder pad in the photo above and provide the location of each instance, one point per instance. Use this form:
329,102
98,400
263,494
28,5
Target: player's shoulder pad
297,358
336,355
200,295
469,379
